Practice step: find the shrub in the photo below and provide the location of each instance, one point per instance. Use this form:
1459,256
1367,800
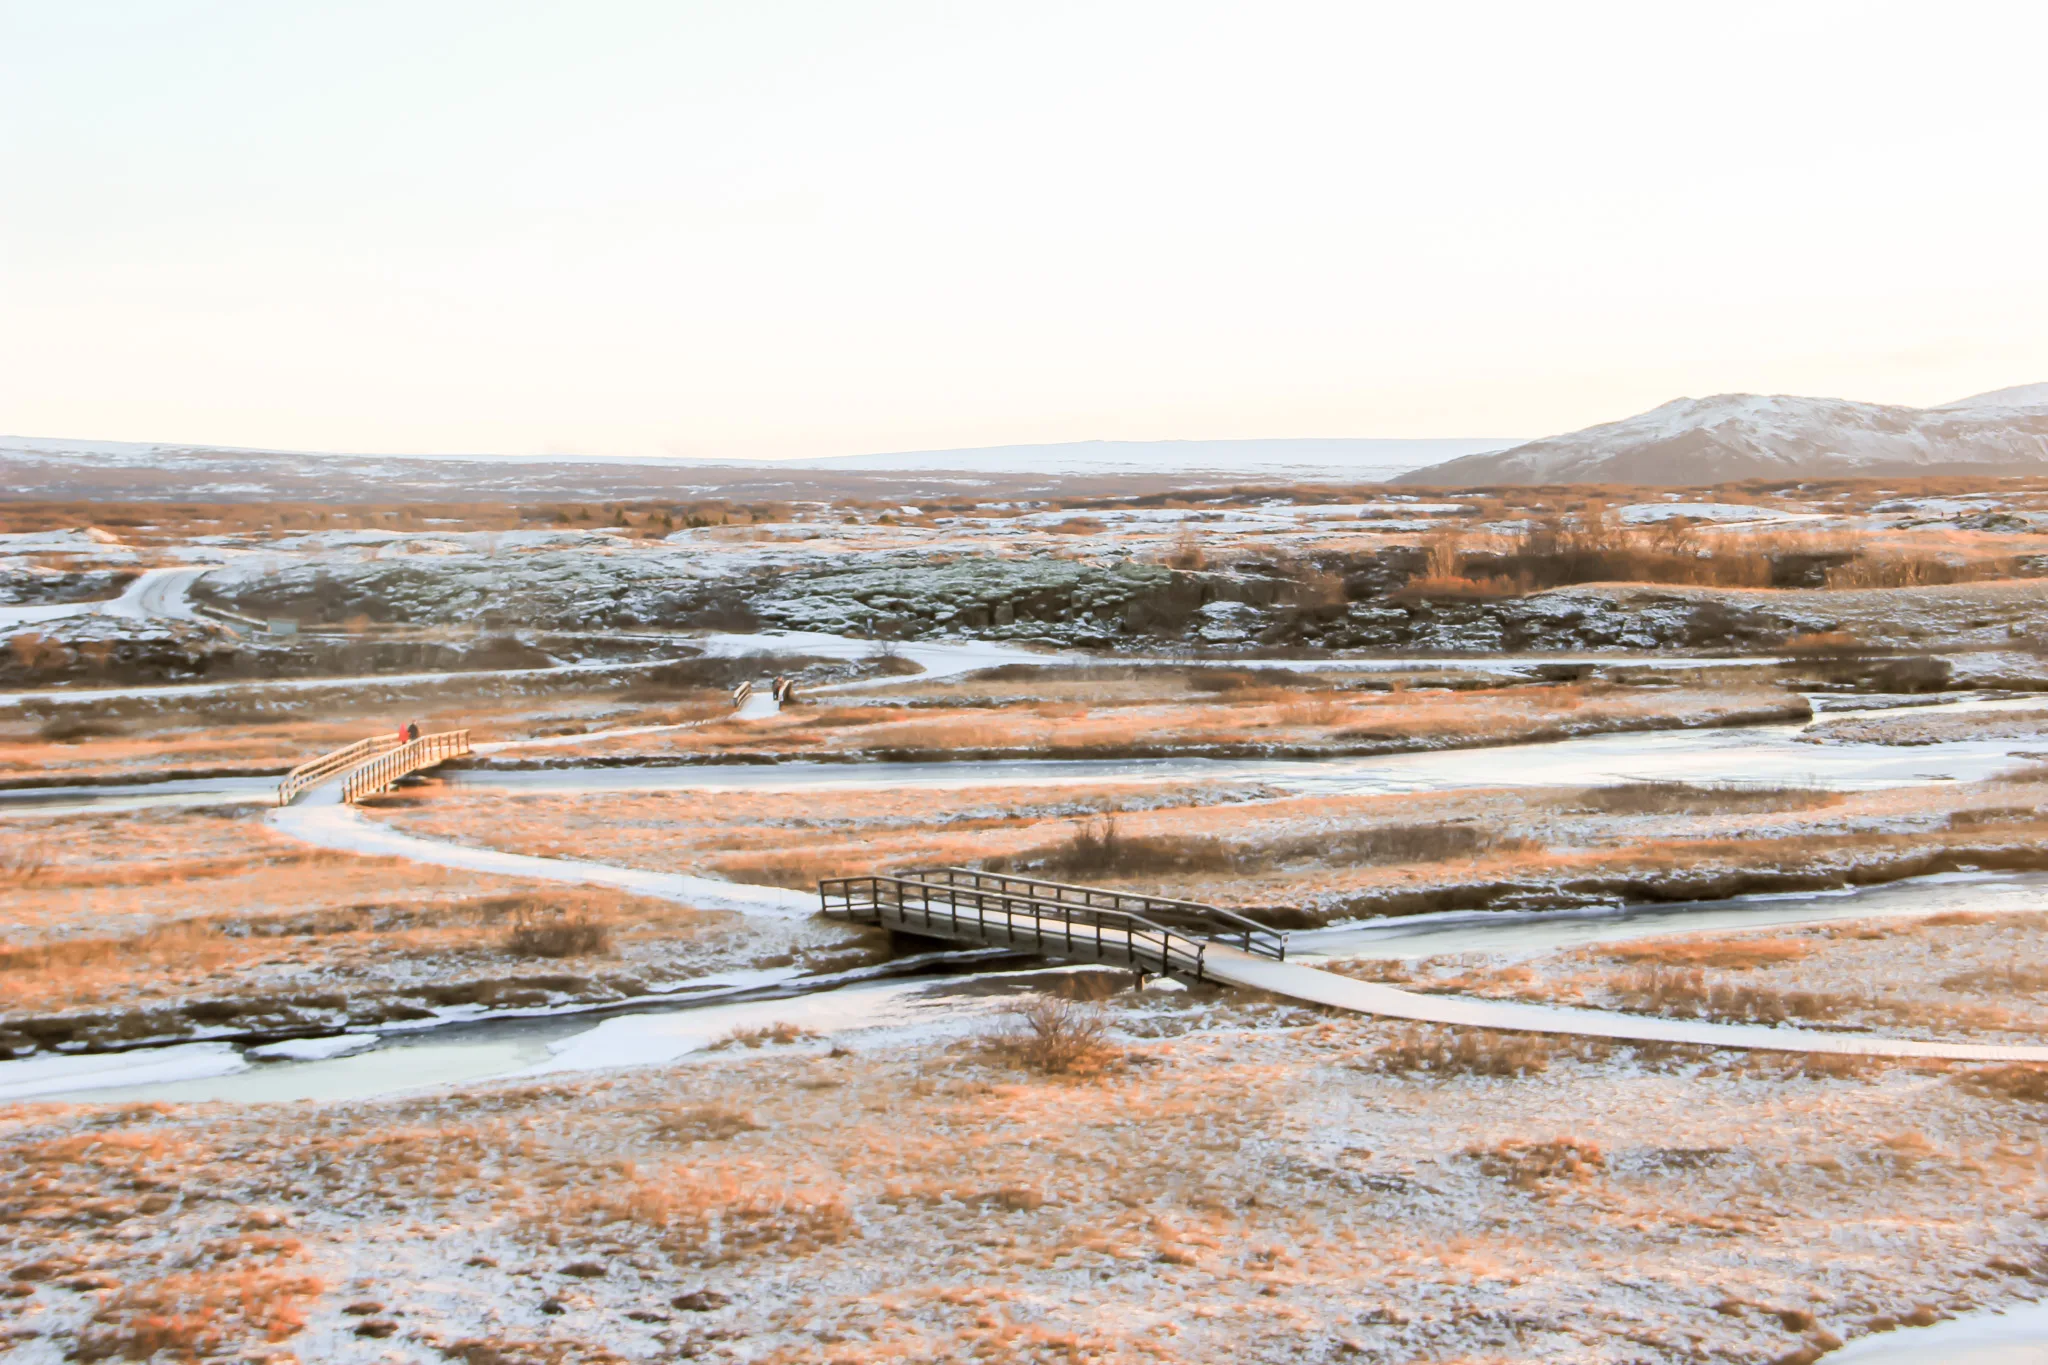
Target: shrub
557,935
1057,1036
1099,848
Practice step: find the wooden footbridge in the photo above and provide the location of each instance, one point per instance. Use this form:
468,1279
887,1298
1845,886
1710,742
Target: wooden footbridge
372,765
1057,919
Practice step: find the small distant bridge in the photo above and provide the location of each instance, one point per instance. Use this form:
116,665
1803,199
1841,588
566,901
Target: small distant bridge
372,765
1057,919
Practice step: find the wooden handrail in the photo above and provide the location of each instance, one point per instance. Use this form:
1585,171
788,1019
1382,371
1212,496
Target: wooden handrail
1047,926
313,771
1209,921
383,771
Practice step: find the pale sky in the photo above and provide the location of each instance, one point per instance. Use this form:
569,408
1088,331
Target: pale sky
760,228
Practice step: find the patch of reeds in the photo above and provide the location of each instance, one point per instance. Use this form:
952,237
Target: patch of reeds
1701,798
2008,978
1733,954
1464,1052
1686,993
2028,1084
1100,848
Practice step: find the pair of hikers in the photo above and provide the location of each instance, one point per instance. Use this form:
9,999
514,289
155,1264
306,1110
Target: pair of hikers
408,732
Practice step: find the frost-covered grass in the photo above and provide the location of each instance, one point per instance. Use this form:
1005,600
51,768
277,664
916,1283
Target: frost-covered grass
1316,857
1240,1182
175,922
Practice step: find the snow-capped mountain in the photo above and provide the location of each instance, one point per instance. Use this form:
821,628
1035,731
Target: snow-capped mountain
1748,436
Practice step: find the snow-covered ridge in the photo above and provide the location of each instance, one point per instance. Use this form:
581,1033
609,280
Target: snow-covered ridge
109,470
1744,436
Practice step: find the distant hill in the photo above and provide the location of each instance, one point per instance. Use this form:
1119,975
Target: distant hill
32,467
1749,436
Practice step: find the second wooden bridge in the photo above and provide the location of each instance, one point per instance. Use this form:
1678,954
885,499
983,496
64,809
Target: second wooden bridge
372,765
1057,919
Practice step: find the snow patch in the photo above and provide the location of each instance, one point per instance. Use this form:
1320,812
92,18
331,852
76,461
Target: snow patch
33,1076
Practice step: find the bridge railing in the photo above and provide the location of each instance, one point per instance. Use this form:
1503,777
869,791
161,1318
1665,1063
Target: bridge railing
382,771
1193,917
319,769
1058,929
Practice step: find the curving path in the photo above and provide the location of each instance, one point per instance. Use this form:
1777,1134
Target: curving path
320,818
160,593
1367,997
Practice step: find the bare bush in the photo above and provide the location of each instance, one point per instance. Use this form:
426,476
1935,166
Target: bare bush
1100,848
1057,1036
545,933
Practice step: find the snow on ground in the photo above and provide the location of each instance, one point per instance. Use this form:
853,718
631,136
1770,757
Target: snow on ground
1639,513
33,1076
894,1008
13,618
2010,1336
90,540
315,1049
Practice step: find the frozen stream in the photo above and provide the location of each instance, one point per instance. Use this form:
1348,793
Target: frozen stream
874,1013
1765,754
1751,754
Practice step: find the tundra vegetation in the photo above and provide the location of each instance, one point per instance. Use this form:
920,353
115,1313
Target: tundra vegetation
1106,1170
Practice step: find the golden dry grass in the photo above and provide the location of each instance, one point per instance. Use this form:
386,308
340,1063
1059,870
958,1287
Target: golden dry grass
139,909
1732,954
